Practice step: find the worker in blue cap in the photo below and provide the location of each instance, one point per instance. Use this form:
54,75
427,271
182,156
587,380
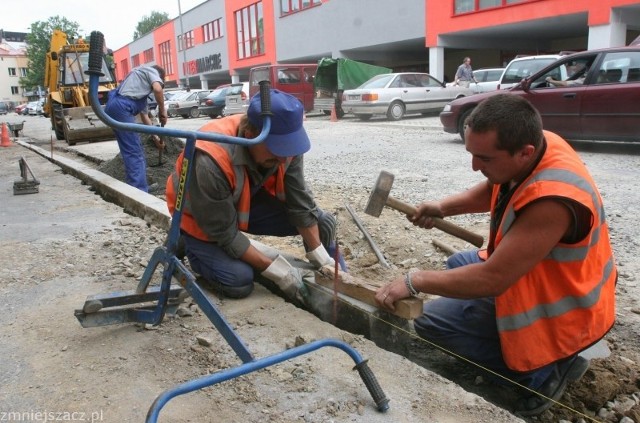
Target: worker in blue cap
258,189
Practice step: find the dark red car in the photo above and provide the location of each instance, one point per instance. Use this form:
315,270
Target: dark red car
600,99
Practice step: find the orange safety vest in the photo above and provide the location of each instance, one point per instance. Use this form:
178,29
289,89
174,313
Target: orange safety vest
236,176
566,302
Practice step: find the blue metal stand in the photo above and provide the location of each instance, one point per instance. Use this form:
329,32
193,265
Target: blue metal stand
97,309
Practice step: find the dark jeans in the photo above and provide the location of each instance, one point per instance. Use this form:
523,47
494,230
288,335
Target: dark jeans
267,217
468,329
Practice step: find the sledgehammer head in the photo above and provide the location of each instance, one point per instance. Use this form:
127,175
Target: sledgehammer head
379,194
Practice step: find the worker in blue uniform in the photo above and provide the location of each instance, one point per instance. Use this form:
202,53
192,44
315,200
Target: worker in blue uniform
124,104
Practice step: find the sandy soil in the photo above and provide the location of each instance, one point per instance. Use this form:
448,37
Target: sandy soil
52,363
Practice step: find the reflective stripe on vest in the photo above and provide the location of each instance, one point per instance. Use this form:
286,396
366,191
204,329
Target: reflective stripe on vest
567,301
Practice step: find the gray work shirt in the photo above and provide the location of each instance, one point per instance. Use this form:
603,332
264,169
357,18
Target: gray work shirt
211,202
139,83
464,73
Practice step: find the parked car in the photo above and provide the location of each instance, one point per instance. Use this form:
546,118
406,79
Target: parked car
523,67
237,99
397,94
4,108
20,108
33,108
488,79
603,106
187,104
213,104
170,105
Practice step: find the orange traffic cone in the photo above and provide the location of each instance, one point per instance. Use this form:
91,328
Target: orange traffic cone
5,141
334,117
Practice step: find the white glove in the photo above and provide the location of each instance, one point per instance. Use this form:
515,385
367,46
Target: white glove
319,257
288,279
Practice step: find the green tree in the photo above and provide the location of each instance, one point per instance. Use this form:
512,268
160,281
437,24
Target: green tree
149,23
38,42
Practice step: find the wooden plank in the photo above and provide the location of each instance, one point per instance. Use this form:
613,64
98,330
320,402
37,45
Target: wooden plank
408,308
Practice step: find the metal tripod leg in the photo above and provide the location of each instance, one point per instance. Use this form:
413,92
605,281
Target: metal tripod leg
382,402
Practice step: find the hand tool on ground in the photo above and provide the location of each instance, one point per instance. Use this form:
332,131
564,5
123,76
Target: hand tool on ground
161,148
24,185
374,247
108,309
380,197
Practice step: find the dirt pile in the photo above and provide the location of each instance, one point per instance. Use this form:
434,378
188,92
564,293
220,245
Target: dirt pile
158,167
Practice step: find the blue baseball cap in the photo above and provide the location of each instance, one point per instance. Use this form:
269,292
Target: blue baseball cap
287,136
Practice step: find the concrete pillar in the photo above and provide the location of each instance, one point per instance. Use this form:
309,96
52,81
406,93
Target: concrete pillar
204,82
613,34
436,62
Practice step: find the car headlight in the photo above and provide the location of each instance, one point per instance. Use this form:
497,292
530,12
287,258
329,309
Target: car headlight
447,108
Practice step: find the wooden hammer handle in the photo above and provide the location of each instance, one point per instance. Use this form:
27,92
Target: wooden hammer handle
443,225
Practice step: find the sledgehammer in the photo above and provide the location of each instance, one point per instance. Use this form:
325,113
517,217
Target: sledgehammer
380,197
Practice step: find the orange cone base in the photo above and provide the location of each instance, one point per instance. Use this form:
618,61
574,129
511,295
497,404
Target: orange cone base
5,141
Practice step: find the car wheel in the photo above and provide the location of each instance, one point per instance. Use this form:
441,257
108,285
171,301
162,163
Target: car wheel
364,117
461,122
194,112
395,111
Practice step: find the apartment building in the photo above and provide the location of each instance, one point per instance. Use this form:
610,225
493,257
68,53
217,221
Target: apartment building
220,40
13,66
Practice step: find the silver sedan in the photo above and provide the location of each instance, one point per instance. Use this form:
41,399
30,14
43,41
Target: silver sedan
397,94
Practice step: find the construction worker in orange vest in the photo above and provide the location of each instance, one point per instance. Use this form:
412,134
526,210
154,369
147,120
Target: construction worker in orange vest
544,288
259,189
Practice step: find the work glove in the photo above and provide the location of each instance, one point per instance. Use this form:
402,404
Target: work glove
319,257
288,279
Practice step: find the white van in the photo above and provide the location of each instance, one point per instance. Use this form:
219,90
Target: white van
523,67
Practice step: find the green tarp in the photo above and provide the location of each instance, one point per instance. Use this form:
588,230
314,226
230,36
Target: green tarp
344,74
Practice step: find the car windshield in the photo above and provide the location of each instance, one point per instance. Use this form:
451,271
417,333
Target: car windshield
235,89
378,81
521,69
217,92
172,95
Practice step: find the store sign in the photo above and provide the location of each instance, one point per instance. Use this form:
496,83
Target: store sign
204,64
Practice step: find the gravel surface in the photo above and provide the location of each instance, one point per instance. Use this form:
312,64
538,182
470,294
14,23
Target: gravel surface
341,168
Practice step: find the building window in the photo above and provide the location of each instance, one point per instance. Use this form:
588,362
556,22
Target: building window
249,23
23,72
124,65
148,55
12,72
466,6
165,57
288,7
135,61
212,30
15,90
188,40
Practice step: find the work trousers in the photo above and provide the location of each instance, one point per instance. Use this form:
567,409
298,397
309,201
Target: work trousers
124,109
267,217
468,328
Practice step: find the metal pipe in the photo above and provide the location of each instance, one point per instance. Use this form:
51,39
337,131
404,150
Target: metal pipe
361,365
184,48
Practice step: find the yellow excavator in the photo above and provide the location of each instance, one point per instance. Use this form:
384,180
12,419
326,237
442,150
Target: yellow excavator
68,104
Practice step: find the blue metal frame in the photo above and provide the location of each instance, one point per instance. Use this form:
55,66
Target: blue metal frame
173,267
